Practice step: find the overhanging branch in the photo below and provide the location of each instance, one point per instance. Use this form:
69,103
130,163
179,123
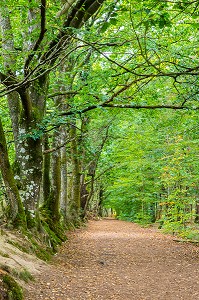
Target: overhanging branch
118,106
78,15
7,80
59,147
125,106
132,106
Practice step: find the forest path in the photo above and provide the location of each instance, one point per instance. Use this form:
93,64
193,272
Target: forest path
111,259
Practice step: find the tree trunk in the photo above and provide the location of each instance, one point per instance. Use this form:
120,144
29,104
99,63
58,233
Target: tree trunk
46,171
64,201
28,113
54,199
29,157
197,212
16,212
75,193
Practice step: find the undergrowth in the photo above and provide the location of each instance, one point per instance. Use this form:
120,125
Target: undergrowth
14,290
186,231
189,232
42,242
24,275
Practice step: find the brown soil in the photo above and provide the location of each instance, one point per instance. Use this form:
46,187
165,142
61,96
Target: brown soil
112,259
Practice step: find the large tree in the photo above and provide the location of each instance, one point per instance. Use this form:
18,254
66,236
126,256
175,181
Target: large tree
30,53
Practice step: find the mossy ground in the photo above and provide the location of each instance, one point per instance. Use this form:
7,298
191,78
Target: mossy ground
14,290
37,242
27,244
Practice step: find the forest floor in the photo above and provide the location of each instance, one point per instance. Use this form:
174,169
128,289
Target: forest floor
111,259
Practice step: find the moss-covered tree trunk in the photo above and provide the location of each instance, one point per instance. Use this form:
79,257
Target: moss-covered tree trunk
197,212
64,201
53,203
14,110
16,212
46,183
29,157
26,107
75,189
63,102
40,53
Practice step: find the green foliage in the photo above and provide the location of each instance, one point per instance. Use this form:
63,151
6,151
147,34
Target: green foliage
55,234
41,245
24,275
129,54
4,254
14,290
156,172
190,233
19,246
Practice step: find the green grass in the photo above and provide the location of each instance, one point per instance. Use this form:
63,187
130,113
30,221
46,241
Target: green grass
15,292
24,275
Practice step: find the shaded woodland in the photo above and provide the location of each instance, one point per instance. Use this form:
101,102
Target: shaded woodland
99,113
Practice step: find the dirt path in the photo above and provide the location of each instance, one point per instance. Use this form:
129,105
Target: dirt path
118,260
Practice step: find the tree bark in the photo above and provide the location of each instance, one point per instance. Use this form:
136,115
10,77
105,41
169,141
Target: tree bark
64,201
31,101
197,212
75,192
29,156
16,212
54,199
46,171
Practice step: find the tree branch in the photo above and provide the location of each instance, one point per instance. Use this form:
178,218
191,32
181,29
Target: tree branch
188,71
63,94
16,86
175,107
7,80
59,147
102,173
80,13
109,105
